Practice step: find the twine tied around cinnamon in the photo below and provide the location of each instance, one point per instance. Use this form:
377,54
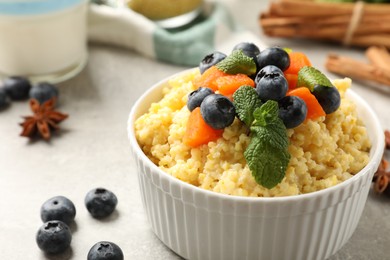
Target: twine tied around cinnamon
356,17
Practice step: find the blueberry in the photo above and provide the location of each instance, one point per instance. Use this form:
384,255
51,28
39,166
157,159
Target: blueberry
217,111
328,97
196,97
100,202
269,69
58,208
272,86
17,88
274,56
249,49
105,251
4,100
210,60
43,91
292,111
53,237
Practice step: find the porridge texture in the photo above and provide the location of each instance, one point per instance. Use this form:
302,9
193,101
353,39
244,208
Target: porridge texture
324,152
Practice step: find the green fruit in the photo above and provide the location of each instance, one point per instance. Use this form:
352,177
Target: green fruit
163,9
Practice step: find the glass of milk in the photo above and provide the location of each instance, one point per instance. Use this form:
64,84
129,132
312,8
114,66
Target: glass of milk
44,40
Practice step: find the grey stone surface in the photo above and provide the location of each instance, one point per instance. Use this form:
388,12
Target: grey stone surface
92,150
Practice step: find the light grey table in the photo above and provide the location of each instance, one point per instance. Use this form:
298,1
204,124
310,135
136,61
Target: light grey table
92,150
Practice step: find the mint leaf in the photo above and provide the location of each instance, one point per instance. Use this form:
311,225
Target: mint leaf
269,126
267,154
237,63
273,135
267,163
246,100
288,50
309,77
266,113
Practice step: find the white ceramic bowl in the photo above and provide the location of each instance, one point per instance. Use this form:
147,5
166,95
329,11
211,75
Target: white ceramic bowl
201,224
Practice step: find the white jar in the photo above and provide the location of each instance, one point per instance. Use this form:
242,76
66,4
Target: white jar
43,39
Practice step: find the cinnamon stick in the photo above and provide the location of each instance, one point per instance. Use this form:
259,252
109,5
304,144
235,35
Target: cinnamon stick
269,19
379,56
309,8
370,40
328,21
326,31
349,67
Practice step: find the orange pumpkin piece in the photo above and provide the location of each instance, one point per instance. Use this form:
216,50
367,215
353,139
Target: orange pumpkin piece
298,60
314,109
292,80
227,85
198,132
208,78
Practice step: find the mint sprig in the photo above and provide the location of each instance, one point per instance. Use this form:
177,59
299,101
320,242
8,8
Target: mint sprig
267,153
246,100
237,63
309,77
268,126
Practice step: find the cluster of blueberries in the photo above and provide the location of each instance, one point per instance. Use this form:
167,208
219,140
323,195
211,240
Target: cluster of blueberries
219,112
54,236
20,88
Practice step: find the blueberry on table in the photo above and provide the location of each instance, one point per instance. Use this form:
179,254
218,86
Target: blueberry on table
328,97
211,60
43,91
196,97
105,250
269,69
292,111
100,202
53,237
272,86
17,88
58,208
274,56
248,48
217,111
4,100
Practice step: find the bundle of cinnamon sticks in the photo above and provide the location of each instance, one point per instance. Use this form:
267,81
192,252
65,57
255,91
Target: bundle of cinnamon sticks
356,24
377,69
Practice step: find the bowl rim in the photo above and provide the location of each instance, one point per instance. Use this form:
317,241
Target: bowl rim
289,198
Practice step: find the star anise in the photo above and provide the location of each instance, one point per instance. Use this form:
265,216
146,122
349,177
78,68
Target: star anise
43,121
